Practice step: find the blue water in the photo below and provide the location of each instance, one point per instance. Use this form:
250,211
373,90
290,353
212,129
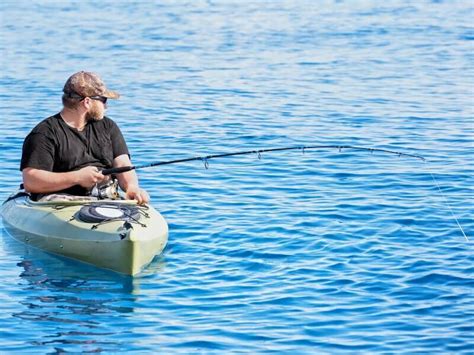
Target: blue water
321,252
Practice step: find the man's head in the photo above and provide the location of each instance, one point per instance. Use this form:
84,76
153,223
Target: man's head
82,85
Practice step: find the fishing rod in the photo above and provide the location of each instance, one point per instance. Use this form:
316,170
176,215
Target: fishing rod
302,148
206,158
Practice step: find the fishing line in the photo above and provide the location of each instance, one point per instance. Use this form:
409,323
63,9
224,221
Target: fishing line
447,203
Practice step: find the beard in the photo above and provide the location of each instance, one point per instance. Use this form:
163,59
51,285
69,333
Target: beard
95,113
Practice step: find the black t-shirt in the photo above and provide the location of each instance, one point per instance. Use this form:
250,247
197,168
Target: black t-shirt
55,146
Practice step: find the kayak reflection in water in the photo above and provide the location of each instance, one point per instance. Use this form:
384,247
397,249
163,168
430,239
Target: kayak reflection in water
65,153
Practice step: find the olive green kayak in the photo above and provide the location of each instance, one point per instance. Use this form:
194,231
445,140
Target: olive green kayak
113,234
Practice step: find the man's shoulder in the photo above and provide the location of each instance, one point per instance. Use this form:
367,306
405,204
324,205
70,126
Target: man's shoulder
106,123
47,126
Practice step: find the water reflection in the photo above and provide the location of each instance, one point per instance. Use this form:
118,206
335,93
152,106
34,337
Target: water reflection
41,268
78,302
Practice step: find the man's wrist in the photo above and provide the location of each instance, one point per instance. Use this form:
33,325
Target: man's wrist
131,187
74,177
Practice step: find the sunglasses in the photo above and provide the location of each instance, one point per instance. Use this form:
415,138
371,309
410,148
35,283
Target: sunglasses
102,99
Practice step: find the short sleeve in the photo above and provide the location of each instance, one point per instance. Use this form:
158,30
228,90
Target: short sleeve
38,152
119,146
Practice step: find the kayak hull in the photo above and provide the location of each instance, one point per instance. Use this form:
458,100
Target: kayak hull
117,245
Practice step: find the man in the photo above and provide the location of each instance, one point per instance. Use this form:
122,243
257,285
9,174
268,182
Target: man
66,152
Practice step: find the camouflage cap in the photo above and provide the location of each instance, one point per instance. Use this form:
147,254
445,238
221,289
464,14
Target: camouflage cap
87,84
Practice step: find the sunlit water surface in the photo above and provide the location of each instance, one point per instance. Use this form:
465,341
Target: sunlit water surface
321,252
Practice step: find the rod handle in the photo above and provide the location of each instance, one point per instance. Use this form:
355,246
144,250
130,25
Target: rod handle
122,169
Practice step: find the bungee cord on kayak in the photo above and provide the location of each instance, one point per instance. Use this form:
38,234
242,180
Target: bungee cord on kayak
206,158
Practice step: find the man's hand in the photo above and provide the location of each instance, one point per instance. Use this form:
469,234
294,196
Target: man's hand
89,176
135,193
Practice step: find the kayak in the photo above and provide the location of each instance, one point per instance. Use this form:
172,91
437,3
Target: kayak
118,235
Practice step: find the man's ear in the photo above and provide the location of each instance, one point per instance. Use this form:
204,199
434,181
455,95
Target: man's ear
87,102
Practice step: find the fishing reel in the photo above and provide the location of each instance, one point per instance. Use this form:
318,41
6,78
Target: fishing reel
108,190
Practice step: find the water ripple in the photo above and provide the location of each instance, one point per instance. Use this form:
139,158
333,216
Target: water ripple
323,252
